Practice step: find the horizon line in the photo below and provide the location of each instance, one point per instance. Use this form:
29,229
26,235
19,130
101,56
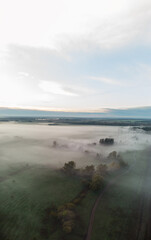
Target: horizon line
101,110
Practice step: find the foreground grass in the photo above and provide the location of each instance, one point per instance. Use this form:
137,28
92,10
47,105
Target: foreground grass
24,198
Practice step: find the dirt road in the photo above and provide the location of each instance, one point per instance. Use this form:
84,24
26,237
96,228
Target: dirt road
88,236
142,230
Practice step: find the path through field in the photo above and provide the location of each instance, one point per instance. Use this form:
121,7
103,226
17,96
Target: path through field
90,227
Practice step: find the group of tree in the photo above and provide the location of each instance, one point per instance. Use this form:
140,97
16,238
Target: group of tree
106,141
92,177
65,214
70,167
96,183
101,169
88,171
117,160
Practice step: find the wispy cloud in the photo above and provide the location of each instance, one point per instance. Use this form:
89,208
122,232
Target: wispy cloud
105,80
55,88
23,74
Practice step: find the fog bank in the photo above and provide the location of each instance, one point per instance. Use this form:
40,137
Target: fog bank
30,144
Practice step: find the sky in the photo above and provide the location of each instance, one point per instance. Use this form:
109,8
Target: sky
79,56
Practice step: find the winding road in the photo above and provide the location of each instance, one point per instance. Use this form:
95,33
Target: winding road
90,226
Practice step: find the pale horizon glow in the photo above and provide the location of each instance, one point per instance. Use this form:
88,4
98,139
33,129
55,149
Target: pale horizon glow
67,55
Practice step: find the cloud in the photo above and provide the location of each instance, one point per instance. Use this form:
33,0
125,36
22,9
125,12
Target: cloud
87,26
113,31
55,88
23,74
114,79
105,80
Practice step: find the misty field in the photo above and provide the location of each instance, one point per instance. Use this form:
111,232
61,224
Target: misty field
119,213
31,180
25,196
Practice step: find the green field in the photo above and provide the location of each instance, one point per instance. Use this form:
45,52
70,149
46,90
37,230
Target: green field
24,198
28,191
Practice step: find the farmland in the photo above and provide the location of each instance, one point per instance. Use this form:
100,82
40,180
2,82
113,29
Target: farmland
32,182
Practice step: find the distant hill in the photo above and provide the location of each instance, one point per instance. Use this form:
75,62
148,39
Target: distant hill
140,112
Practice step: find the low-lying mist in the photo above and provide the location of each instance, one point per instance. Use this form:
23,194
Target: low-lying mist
29,183
52,146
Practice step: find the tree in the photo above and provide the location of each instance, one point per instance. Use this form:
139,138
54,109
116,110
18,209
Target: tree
107,141
101,169
55,144
97,182
119,157
67,218
68,226
89,170
112,155
69,167
122,163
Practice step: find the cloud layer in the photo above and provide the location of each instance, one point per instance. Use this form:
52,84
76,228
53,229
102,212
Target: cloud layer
81,55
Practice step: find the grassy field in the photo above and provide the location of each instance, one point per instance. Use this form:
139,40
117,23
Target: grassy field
28,191
118,210
24,198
